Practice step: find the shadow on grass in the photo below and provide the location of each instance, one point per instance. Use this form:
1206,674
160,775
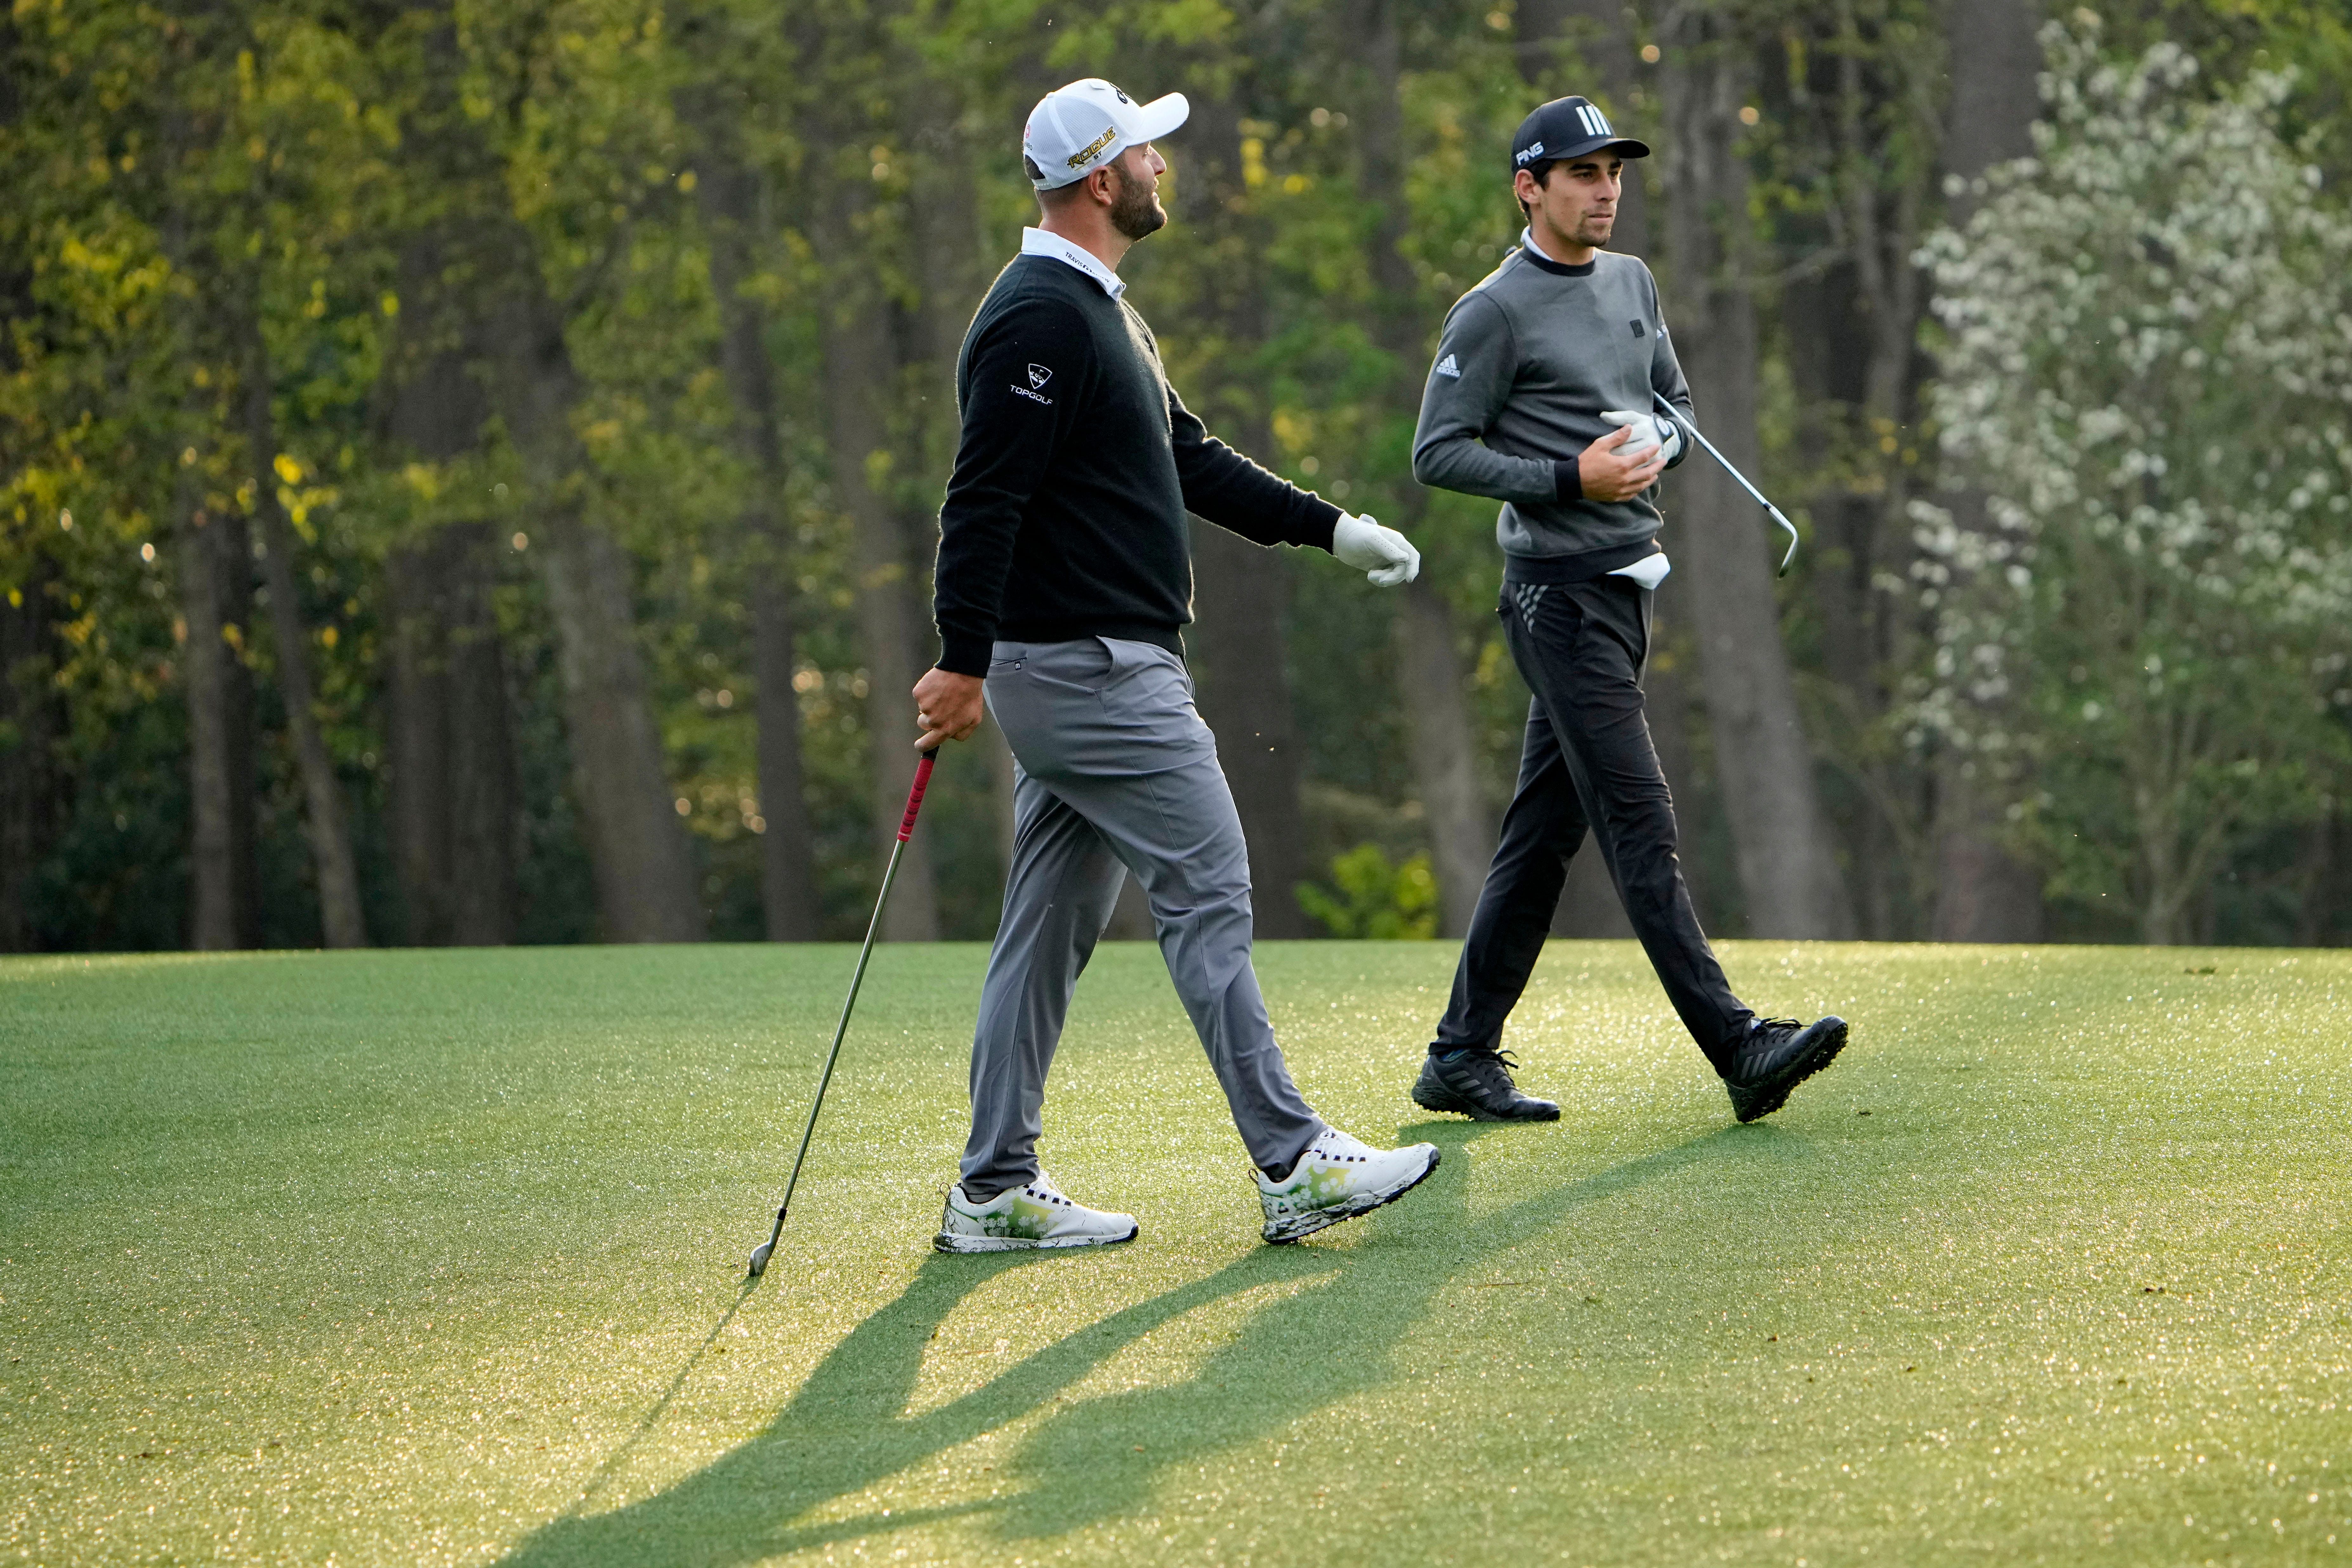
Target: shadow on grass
847,1428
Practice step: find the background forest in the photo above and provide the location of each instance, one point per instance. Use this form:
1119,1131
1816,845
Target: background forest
468,468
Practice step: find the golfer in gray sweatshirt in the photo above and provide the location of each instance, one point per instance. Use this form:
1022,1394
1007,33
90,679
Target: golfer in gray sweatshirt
1542,398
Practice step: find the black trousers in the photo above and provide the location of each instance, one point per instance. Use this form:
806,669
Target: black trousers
1587,766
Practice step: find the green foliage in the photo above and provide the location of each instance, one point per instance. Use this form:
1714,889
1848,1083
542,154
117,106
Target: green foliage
1374,899
2148,367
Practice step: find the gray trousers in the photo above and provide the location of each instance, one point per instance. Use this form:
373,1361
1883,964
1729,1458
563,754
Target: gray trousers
1117,774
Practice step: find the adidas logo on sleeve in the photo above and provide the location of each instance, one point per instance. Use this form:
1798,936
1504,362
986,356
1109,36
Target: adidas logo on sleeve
1447,367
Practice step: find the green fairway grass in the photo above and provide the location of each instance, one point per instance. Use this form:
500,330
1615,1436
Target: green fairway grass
407,1257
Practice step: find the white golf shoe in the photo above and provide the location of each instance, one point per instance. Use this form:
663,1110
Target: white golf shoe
1339,1178
1034,1214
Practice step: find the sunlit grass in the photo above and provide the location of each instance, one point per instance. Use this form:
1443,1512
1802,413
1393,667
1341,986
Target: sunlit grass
417,1259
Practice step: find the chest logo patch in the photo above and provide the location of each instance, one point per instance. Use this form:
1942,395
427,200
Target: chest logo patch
1039,375
1447,367
1640,329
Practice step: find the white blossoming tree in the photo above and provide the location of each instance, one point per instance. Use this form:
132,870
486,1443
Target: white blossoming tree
2141,630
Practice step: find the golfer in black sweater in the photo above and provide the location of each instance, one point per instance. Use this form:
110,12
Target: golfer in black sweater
1065,579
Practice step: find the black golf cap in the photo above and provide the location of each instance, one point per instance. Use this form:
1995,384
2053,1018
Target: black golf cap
1569,127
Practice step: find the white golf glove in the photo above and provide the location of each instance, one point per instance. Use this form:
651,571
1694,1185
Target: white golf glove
1383,554
1649,430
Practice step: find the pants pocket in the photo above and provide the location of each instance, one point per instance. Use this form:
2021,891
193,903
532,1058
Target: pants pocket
1128,657
1085,666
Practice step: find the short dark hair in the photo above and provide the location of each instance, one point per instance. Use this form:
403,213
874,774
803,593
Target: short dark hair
1541,169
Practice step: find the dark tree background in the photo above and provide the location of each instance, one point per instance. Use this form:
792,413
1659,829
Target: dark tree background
469,472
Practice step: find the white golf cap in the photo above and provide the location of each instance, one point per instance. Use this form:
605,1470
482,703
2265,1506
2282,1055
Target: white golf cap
1077,129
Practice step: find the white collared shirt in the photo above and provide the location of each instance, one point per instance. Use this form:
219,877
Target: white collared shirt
1038,242
1651,570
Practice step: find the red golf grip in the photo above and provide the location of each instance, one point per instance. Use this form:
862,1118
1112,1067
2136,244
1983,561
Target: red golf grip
915,796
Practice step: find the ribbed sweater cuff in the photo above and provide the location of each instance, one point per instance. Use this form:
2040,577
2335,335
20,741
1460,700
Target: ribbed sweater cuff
963,654
1322,517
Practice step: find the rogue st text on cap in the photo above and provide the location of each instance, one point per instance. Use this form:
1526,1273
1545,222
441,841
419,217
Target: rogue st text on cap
1077,129
1569,127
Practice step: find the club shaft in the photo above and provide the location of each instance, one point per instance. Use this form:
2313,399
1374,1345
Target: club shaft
1771,511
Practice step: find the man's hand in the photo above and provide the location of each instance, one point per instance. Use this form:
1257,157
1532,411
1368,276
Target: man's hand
1382,554
1649,430
1607,474
948,706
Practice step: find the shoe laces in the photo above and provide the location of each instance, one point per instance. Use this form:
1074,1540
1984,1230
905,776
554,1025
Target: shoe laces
1488,1065
1336,1148
1044,1190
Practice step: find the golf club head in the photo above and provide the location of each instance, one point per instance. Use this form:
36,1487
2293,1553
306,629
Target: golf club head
760,1257
1779,520
1790,530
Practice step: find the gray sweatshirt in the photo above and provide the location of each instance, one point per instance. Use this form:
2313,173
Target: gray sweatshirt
1527,361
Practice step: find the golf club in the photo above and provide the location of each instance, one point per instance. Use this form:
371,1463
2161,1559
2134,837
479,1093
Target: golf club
873,927
1771,511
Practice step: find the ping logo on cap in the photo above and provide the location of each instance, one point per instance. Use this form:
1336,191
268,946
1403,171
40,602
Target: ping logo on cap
1533,153
1093,147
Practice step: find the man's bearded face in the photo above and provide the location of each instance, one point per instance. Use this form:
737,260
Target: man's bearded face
1136,211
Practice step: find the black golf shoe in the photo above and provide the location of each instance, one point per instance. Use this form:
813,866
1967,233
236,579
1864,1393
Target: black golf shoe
1781,1054
1476,1082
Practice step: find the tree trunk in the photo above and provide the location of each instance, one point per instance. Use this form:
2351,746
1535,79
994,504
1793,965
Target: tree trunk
325,822
216,601
727,195
29,716
1445,753
455,790
485,780
417,743
645,889
788,885
1788,869
501,316
1859,533
2324,902
30,781
1240,591
415,758
1983,893
860,360
954,269
1240,656
216,558
1435,684
644,866
455,794
1995,59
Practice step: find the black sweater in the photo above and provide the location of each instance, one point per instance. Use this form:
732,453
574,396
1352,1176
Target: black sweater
1064,517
